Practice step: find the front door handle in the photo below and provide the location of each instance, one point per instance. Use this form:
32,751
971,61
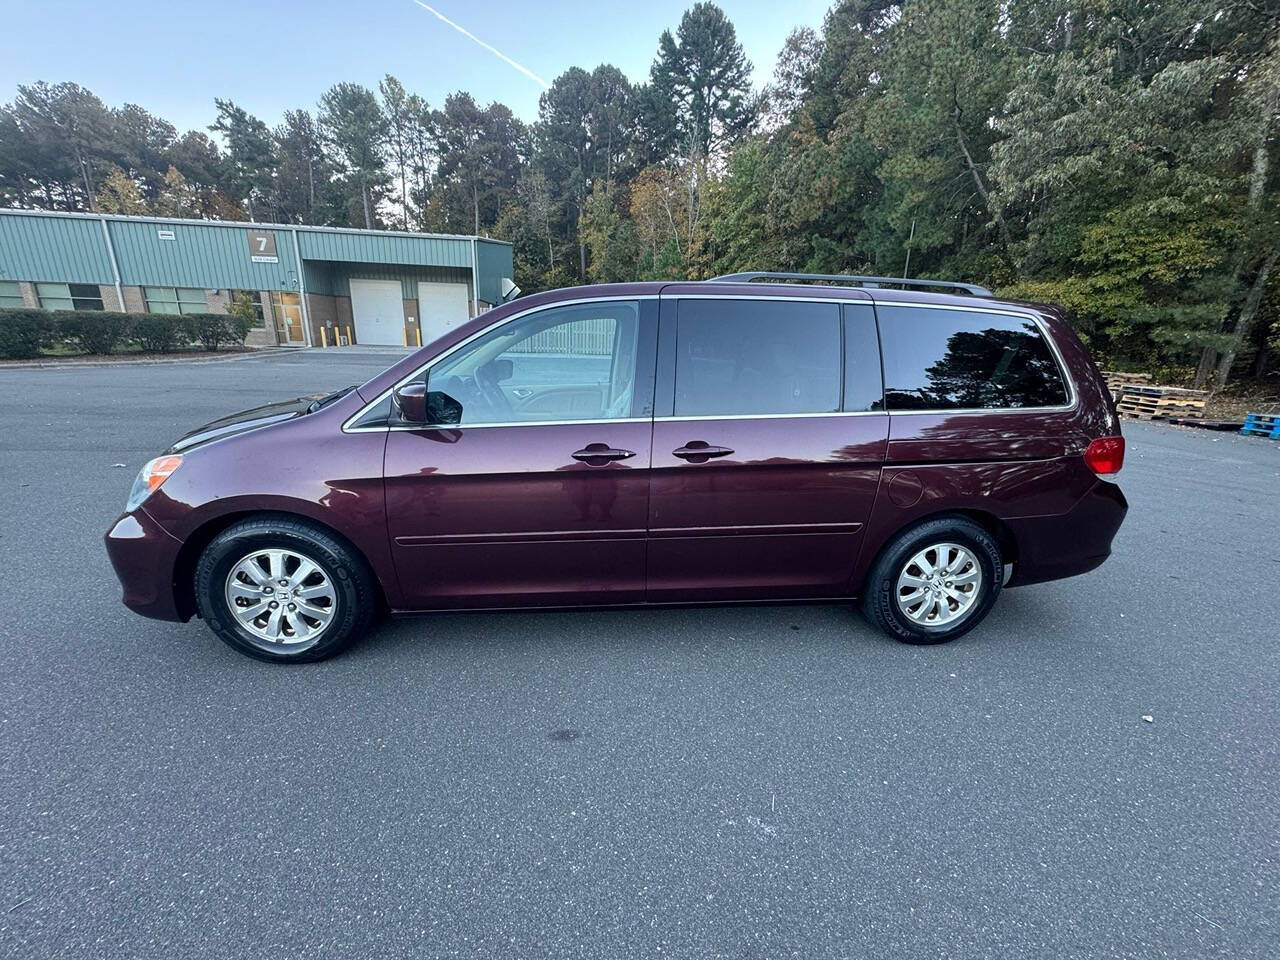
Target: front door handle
599,454
699,451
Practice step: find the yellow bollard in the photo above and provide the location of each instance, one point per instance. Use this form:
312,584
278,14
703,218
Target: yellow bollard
404,336
419,332
324,337
350,342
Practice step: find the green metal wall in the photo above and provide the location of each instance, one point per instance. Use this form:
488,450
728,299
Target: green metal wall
335,279
213,256
53,249
354,247
200,255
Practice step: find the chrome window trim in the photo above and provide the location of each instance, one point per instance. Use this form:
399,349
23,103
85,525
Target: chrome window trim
488,426
773,416
1067,380
605,423
1035,318
386,394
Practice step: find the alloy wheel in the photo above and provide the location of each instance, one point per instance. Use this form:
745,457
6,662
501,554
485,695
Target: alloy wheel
284,599
940,585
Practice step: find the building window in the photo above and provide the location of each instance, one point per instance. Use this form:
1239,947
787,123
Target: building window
86,296
10,295
69,296
256,297
171,300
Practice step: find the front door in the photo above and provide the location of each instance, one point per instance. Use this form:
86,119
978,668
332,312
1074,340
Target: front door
286,309
537,492
768,448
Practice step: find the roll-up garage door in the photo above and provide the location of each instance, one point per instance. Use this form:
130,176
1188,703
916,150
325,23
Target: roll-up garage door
378,311
440,307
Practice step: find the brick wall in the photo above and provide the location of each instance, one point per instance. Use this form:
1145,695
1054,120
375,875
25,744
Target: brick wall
109,301
217,300
134,302
323,313
345,321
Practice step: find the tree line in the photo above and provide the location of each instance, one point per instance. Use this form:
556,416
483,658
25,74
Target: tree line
1112,156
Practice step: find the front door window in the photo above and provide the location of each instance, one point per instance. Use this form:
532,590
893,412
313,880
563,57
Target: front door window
566,364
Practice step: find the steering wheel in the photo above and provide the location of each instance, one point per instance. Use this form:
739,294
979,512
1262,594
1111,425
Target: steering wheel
487,382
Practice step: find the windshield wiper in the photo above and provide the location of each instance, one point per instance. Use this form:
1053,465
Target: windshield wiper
329,398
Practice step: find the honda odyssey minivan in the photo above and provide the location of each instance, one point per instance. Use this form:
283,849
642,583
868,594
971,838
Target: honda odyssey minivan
913,445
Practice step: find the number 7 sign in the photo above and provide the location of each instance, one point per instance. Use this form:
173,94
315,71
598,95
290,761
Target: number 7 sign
262,246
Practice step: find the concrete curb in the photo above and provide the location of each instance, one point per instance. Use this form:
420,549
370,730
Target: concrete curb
140,362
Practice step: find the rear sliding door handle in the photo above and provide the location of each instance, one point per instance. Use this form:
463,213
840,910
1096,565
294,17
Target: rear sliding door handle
699,451
598,454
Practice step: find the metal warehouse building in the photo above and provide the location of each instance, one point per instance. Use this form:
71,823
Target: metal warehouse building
309,284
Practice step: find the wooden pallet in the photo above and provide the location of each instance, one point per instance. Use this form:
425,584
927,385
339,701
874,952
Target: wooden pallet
1117,380
1149,390
1156,403
1180,407
1262,425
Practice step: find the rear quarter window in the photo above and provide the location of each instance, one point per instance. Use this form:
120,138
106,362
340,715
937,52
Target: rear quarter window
944,359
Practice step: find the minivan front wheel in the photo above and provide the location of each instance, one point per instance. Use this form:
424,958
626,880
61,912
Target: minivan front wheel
283,590
934,581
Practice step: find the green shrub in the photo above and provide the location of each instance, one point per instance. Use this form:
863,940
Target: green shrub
213,329
22,331
158,332
238,327
94,331
242,306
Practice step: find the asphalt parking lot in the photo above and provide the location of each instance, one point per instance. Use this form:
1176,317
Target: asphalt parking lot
749,782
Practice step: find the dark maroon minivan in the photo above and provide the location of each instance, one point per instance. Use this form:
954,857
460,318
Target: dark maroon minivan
758,437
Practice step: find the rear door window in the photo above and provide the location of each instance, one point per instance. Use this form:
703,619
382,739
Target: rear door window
756,357
945,359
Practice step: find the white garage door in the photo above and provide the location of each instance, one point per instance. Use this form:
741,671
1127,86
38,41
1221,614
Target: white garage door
378,311
440,307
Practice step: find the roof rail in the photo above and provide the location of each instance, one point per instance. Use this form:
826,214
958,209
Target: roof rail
843,279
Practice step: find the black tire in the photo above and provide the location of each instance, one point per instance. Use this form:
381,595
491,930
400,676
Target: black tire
879,603
355,597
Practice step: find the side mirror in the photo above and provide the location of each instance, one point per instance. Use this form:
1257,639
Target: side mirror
442,408
411,402
503,369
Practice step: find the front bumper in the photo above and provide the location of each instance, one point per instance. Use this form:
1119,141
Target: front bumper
1050,548
145,557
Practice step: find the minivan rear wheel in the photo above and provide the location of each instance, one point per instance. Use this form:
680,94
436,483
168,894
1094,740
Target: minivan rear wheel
283,590
934,581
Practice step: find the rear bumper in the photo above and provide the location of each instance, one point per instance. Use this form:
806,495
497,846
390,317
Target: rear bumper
144,556
1050,548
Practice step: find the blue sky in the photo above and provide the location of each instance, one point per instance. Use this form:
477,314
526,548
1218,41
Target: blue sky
175,57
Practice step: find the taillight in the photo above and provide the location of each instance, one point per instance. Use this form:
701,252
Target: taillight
1105,456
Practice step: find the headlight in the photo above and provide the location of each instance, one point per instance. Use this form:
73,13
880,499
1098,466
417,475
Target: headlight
153,473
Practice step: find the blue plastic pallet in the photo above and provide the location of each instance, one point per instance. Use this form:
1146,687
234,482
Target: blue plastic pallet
1262,425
